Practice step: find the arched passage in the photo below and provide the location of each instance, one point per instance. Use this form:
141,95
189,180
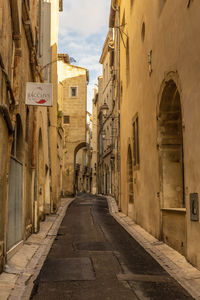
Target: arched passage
130,181
76,184
172,168
171,147
78,147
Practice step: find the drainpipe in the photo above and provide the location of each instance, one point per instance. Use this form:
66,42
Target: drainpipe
49,147
35,76
118,97
34,173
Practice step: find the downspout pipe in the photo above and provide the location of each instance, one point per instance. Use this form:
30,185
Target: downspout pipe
119,100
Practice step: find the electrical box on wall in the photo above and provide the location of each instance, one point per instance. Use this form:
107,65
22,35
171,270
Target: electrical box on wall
194,207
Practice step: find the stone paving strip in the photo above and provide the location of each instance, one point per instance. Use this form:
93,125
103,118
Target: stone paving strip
16,282
172,261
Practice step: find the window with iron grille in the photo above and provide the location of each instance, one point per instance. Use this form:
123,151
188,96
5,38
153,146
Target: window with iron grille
66,120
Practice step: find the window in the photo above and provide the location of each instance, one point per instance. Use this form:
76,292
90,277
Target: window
73,91
112,56
136,143
60,5
143,32
66,120
127,62
106,72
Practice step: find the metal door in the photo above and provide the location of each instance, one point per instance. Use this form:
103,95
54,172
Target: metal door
14,228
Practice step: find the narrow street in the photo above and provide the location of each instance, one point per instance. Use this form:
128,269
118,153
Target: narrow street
93,257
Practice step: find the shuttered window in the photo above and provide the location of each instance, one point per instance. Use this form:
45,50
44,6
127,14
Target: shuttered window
66,120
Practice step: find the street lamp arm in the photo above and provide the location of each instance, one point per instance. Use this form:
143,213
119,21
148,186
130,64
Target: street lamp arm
50,63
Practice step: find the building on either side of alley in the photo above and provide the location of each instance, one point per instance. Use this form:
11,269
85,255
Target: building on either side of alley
26,165
156,87
108,122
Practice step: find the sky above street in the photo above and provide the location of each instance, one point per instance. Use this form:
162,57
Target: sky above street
82,32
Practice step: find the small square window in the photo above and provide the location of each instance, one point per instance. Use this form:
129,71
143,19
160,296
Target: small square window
73,91
66,120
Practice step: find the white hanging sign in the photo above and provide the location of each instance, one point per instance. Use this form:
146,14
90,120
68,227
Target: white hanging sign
39,94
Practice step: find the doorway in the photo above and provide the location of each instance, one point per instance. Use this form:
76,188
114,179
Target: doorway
15,182
171,148
171,159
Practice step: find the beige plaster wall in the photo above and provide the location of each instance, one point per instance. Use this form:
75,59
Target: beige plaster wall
173,39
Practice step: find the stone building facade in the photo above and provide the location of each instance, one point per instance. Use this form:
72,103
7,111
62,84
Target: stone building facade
105,118
25,182
108,120
74,81
159,91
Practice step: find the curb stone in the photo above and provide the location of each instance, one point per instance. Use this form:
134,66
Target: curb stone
172,261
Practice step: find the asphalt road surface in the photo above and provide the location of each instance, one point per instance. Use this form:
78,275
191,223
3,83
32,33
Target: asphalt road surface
94,258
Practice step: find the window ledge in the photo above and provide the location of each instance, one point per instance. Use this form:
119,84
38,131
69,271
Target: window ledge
175,209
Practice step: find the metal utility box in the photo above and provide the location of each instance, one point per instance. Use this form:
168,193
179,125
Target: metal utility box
194,207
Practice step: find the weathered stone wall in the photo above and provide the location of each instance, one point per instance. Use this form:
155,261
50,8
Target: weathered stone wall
19,64
75,108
